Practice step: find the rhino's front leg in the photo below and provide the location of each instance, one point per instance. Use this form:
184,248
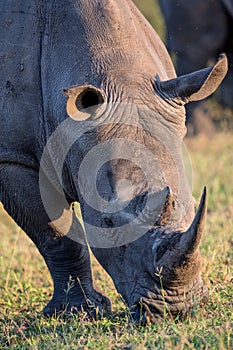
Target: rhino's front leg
69,265
67,260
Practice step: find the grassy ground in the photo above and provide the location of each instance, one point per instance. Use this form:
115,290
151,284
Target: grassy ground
25,284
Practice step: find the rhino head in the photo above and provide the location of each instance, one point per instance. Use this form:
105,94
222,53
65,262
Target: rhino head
135,198
163,280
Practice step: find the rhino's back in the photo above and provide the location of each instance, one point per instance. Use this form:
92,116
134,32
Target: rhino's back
45,46
106,43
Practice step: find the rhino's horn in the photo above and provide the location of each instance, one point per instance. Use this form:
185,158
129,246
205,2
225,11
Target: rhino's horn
160,206
191,238
168,207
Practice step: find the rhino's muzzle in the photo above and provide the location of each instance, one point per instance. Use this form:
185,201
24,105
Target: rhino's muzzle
169,304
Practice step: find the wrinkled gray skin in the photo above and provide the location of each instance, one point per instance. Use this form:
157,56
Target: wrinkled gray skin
196,32
108,45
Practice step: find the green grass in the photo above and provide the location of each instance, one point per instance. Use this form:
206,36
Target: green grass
26,286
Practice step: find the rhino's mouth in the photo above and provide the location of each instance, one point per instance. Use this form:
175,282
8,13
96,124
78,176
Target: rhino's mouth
149,307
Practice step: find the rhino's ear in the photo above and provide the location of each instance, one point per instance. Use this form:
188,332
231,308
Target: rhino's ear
193,86
84,101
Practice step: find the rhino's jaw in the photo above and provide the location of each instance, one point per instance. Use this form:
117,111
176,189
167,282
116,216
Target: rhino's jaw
151,306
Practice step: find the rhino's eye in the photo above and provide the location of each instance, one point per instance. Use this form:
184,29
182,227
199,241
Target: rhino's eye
84,102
